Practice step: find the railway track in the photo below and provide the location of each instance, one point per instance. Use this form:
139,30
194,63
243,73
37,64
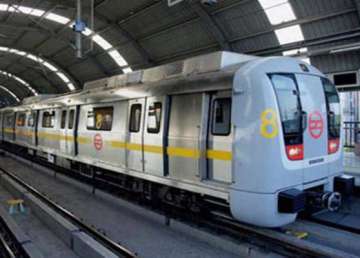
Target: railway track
333,224
271,240
118,249
9,247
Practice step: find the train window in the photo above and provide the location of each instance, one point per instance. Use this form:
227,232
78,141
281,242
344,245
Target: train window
31,120
154,118
9,120
71,119
221,117
333,106
48,120
63,119
100,119
135,118
21,120
289,104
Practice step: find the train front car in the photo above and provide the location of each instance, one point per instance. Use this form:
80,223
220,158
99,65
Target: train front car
287,145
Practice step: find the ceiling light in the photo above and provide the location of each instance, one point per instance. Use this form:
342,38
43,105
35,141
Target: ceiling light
101,42
118,58
10,93
50,66
57,18
63,77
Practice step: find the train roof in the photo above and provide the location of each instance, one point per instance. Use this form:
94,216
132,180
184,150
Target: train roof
146,82
208,72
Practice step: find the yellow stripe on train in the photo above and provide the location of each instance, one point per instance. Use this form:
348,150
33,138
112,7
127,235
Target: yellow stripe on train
171,151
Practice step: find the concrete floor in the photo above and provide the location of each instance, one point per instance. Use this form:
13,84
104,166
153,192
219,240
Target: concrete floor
140,230
48,244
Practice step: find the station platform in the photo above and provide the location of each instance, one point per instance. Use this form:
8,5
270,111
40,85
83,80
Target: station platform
352,166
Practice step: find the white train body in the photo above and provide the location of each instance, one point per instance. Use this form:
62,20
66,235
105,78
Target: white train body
238,128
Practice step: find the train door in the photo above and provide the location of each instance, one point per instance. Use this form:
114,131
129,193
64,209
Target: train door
219,145
70,131
187,136
135,158
63,138
31,123
315,135
154,135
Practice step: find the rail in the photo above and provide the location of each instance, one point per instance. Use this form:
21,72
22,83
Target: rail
115,247
351,130
9,246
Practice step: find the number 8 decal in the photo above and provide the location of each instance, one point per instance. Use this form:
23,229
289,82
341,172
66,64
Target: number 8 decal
269,127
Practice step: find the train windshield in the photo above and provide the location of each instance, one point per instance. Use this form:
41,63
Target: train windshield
289,104
333,108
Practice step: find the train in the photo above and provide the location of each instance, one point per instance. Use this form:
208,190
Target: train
258,135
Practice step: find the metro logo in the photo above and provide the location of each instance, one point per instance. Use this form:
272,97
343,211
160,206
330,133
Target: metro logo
316,124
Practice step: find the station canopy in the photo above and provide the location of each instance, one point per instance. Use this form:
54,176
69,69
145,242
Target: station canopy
37,41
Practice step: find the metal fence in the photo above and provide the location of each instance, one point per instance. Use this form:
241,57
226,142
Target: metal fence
351,129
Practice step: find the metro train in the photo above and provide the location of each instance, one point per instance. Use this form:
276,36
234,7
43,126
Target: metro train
260,135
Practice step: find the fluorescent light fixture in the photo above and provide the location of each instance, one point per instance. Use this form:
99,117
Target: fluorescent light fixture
63,77
71,86
289,34
4,7
87,32
10,93
38,59
57,18
26,10
27,85
17,52
101,42
50,66
295,52
104,44
118,58
32,57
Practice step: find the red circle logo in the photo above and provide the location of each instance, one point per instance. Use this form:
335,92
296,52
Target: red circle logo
316,124
98,142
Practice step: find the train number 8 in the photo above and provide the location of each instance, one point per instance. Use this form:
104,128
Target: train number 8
269,127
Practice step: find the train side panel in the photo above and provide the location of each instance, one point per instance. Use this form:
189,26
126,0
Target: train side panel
49,136
102,133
